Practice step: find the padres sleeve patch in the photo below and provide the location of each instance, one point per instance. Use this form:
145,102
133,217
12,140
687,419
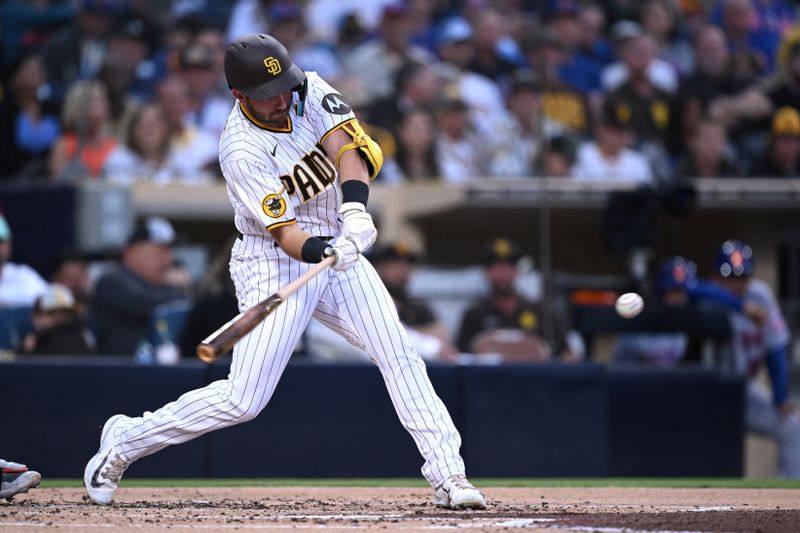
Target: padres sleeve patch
274,205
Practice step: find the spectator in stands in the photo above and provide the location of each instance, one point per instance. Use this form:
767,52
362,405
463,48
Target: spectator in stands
123,298
456,48
707,153
647,104
459,150
559,102
378,61
116,77
395,265
205,108
213,38
580,70
135,41
288,26
146,155
637,52
754,105
783,157
20,285
194,147
514,147
754,343
71,270
505,319
76,51
593,48
710,79
556,158
743,38
660,19
58,328
418,85
492,59
608,158
28,120
87,140
416,146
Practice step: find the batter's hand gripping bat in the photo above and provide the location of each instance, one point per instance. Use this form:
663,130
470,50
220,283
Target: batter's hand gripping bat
225,337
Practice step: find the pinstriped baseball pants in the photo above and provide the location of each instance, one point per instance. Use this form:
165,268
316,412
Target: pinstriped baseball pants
353,303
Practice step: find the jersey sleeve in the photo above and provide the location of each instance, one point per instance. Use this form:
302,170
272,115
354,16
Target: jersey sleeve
260,191
325,107
775,331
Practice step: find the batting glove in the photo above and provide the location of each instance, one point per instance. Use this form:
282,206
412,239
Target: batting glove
346,253
358,225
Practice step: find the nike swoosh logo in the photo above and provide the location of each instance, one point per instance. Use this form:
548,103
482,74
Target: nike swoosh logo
95,483
274,148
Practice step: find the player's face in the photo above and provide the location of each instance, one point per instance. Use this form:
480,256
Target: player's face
273,111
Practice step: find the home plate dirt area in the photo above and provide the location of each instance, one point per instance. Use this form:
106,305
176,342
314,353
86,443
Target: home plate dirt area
602,509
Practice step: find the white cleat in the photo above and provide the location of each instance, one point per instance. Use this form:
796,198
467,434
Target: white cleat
104,470
458,493
16,479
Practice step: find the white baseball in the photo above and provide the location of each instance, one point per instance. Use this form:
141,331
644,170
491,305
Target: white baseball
629,305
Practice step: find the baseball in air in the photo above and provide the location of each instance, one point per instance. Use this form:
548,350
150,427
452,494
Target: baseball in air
629,305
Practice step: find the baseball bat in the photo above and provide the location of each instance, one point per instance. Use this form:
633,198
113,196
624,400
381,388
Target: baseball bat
225,337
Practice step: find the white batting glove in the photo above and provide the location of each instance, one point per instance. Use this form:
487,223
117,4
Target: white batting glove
346,253
358,225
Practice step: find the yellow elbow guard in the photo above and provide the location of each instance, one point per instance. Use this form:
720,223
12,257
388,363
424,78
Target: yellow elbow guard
362,142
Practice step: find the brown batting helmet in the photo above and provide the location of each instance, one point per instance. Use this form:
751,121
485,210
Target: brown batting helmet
260,66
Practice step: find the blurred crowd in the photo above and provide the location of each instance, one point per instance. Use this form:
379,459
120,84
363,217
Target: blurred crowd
645,91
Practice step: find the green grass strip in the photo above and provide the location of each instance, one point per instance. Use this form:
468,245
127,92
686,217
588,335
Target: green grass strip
715,483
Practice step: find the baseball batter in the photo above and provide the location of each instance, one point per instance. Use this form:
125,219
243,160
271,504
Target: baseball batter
297,166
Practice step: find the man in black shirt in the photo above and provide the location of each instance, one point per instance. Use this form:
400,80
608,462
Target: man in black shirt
124,298
504,308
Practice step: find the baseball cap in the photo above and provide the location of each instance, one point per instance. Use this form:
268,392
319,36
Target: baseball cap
5,229
56,297
197,56
625,29
786,122
455,30
734,259
393,251
676,273
156,230
501,251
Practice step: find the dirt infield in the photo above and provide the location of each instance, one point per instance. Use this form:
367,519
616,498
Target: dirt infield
348,509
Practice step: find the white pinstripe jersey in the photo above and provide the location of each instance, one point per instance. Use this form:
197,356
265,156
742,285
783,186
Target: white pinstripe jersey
280,176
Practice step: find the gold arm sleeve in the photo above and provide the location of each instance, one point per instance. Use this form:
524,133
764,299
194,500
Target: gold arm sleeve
362,142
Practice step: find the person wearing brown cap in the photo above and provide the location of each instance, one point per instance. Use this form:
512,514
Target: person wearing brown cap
504,322
58,327
783,158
